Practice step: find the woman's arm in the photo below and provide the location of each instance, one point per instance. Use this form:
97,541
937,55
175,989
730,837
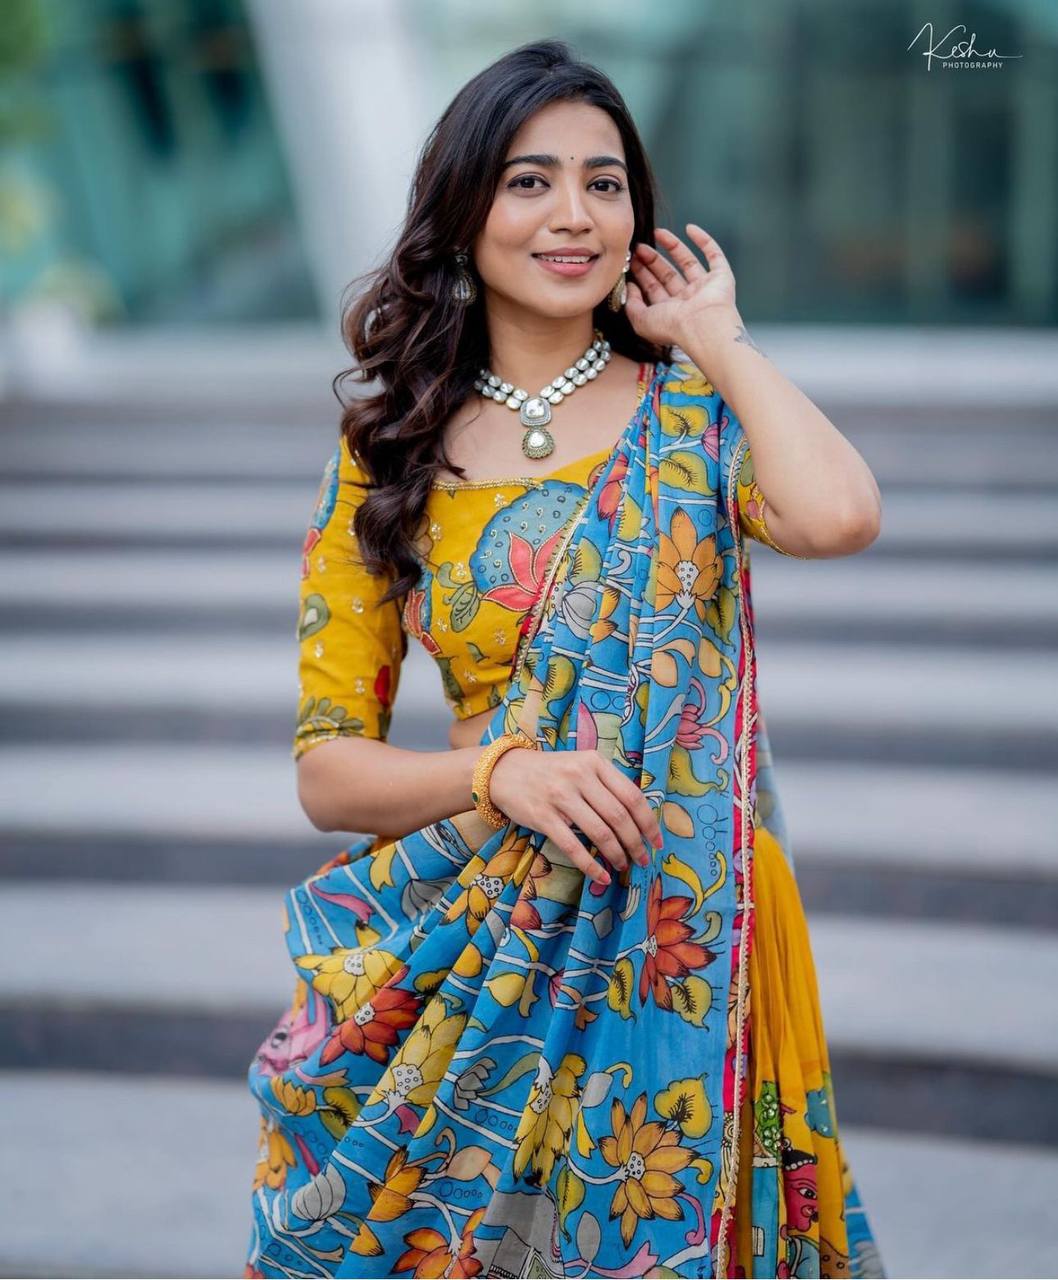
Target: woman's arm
822,497
361,784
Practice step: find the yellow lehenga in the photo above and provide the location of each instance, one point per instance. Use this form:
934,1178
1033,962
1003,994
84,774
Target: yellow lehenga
790,1081
489,552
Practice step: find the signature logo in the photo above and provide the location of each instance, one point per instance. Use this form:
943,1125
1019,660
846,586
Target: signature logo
961,54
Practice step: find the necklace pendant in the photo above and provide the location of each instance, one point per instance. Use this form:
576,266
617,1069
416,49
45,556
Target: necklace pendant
535,412
538,442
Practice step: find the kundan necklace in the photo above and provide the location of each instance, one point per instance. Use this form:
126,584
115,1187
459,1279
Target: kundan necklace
534,412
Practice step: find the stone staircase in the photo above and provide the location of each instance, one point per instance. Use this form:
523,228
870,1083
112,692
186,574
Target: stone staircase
149,822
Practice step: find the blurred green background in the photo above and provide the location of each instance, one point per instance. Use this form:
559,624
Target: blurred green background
143,175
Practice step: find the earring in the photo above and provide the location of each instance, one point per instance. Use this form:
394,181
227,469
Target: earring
464,291
619,293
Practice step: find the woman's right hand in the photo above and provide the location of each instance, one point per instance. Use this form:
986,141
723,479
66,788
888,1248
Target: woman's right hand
553,791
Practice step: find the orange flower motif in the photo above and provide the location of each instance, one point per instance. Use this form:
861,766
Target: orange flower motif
528,566
610,492
689,570
668,953
431,1255
483,882
312,537
375,1027
648,1155
295,1099
414,608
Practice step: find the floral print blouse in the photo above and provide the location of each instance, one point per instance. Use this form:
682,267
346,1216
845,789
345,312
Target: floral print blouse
484,548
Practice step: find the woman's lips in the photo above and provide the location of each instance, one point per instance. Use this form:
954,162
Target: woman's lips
567,268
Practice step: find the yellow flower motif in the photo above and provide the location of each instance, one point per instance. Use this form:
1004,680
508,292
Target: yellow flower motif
647,1155
389,1200
689,570
619,992
483,882
338,1110
693,382
684,1102
684,419
350,977
506,988
275,1156
414,1074
603,626
547,1121
293,1098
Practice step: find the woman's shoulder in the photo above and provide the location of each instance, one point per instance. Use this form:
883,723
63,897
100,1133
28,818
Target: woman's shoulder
354,477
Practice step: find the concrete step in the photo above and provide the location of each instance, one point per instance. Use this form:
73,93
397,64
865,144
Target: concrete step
170,1159
274,510
920,452
855,814
828,884
280,507
822,701
201,1011
236,592
272,515
219,950
940,1223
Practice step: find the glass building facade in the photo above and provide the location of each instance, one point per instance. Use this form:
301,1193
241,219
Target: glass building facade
847,178
143,153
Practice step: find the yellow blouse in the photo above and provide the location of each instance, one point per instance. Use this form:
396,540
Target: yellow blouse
484,546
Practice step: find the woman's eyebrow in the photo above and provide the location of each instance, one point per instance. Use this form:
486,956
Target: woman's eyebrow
553,162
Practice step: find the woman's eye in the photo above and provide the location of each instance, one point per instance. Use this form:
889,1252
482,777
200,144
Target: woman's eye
533,177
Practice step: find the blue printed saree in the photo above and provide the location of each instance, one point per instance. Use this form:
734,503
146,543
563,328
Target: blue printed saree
493,1066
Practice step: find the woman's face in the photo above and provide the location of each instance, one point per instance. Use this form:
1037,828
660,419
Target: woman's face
572,193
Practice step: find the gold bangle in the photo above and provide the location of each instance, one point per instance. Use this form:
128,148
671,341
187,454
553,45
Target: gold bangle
479,787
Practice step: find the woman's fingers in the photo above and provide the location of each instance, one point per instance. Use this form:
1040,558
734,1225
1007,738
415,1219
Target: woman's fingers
587,791
634,801
681,254
649,284
714,255
559,831
606,820
603,832
658,270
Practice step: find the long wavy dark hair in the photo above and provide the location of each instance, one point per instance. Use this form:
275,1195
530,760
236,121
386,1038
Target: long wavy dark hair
406,331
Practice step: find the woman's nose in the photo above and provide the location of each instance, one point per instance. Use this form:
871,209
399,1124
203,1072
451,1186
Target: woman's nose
570,210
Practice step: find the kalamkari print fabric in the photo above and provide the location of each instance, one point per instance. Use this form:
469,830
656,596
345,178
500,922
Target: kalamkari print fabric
492,1066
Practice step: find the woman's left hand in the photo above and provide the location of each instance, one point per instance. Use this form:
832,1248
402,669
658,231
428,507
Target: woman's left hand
664,304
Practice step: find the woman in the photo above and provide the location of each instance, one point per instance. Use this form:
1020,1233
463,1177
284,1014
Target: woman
559,1015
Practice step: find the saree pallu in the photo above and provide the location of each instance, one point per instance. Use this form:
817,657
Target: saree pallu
493,1066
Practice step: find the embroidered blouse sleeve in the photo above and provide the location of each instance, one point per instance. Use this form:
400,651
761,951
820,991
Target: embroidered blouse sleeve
350,646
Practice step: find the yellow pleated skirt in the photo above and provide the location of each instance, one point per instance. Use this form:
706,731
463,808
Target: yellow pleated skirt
797,1208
